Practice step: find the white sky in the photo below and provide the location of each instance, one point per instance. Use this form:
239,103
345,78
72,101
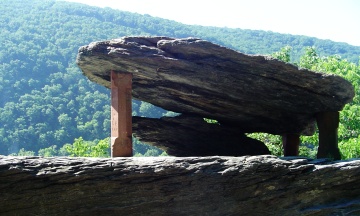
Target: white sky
337,20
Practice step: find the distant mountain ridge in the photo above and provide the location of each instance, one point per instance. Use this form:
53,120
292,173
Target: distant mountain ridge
46,101
247,41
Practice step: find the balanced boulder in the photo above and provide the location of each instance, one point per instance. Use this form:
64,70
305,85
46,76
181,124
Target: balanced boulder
251,93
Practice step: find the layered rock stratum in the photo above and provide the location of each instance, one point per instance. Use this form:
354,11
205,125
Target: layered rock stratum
244,93
249,185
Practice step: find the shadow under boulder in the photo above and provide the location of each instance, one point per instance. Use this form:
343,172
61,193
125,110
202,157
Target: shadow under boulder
186,136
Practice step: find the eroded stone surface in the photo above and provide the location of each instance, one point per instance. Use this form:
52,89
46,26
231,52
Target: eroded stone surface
250,185
193,76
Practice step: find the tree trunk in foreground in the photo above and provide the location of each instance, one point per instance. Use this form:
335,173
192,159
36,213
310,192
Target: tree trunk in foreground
256,185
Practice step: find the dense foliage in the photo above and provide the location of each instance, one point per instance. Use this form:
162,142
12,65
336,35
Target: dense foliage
46,102
349,127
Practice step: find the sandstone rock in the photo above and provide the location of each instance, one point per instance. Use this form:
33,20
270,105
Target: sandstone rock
186,136
251,185
193,76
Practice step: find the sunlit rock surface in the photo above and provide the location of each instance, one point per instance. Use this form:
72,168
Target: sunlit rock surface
198,78
250,185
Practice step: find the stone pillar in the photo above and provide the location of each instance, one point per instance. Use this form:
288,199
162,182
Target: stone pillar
291,144
121,118
328,123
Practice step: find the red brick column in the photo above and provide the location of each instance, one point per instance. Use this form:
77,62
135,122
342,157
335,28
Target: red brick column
328,123
291,144
121,118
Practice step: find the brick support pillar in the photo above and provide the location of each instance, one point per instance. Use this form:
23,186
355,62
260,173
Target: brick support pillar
328,123
121,118
291,144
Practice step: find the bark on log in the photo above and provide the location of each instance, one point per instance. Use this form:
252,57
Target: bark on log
252,185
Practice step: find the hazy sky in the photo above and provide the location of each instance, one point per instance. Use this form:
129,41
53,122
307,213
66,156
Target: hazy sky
337,20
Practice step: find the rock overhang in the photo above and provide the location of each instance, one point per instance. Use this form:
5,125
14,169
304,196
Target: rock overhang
253,93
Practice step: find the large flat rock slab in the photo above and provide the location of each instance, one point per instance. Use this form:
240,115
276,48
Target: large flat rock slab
256,185
193,76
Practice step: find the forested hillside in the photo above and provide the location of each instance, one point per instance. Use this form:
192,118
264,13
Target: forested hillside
44,98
